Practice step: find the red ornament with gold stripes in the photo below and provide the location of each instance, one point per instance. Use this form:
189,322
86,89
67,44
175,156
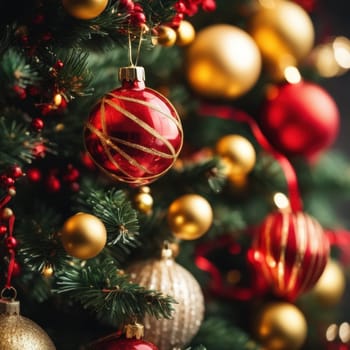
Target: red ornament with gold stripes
290,250
134,133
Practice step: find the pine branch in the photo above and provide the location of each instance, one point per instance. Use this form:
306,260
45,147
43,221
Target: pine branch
205,176
98,287
73,79
5,37
115,210
16,143
39,243
34,285
15,71
97,33
214,330
158,12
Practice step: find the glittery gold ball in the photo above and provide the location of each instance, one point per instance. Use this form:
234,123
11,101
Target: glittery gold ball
18,332
190,216
84,9
223,62
330,287
280,326
170,278
83,236
185,33
238,154
284,33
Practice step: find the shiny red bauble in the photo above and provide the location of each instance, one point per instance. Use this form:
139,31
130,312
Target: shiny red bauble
125,344
300,119
134,134
290,250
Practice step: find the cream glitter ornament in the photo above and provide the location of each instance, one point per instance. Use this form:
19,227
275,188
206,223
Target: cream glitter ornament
170,278
18,332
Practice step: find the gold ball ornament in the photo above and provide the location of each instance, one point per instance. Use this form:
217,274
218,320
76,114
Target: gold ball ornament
284,33
190,216
331,58
84,9
223,62
330,287
280,326
166,36
83,236
185,33
18,332
170,278
237,153
144,200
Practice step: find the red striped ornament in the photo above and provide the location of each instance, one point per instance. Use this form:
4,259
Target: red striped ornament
290,250
134,133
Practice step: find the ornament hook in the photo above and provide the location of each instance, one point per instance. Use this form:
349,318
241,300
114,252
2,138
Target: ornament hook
8,293
132,64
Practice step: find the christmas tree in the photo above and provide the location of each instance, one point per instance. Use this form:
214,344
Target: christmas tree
169,176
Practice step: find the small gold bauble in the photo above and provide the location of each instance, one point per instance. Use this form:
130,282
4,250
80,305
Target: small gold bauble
7,213
143,200
190,216
18,332
330,287
284,33
47,271
170,278
238,154
84,9
166,36
185,33
223,62
331,58
83,236
280,326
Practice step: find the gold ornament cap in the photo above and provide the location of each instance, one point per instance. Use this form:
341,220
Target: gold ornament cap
9,307
135,330
132,73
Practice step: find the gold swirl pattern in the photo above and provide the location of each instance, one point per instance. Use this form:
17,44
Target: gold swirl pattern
129,161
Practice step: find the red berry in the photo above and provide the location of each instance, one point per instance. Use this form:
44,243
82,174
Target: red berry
59,64
127,4
180,7
72,174
11,242
34,175
138,18
6,181
3,230
53,184
16,171
21,93
39,150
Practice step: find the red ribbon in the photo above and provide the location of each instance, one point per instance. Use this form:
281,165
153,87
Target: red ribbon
216,284
341,240
228,112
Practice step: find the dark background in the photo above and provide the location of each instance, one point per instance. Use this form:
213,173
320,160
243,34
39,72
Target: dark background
332,17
